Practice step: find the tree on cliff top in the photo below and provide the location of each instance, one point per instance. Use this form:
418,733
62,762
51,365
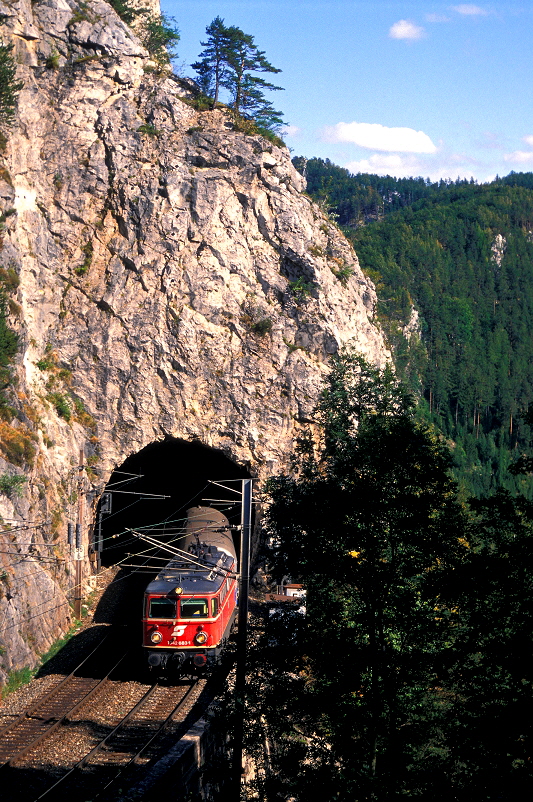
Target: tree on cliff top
211,66
230,60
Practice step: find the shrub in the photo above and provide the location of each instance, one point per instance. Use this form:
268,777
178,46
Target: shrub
16,445
262,327
88,250
343,273
61,405
148,128
9,87
125,11
11,484
52,60
301,289
160,38
9,278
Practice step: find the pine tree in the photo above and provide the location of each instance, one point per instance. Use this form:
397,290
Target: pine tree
244,58
211,66
9,87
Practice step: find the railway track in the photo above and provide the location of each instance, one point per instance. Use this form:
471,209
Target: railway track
46,714
127,746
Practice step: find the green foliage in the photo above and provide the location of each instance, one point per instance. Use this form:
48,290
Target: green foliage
262,327
61,405
371,525
88,251
159,36
125,11
489,671
460,254
301,289
211,67
17,679
9,342
9,278
9,86
82,14
230,60
52,60
463,259
148,129
343,272
11,484
354,200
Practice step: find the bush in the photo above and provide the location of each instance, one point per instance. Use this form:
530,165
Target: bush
61,405
160,38
125,11
148,128
9,87
11,484
262,327
88,251
16,445
301,289
52,60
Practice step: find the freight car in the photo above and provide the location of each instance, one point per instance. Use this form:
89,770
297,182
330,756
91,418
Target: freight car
191,606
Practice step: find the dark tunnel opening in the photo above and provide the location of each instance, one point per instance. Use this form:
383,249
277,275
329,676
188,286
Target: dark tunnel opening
174,468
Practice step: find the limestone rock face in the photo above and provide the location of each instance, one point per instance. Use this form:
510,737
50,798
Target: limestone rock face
174,280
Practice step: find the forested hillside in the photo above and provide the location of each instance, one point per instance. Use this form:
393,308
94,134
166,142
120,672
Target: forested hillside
461,254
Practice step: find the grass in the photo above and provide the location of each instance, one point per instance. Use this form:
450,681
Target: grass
22,676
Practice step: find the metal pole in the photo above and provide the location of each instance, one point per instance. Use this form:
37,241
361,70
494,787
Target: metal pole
79,542
240,676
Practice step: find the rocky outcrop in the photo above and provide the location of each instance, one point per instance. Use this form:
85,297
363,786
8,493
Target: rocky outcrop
174,280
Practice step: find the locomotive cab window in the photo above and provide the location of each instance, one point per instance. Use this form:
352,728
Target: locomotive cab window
194,608
214,607
162,608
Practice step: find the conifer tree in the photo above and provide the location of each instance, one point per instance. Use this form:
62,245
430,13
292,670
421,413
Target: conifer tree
211,65
9,87
243,58
229,60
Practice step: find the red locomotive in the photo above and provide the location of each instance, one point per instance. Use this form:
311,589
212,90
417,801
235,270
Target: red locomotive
191,606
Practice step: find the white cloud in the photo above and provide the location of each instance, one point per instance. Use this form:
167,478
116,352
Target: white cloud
404,29
290,130
399,166
383,165
437,18
528,140
378,137
519,157
470,10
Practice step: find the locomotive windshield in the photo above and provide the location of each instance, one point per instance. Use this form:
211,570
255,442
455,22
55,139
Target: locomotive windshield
194,608
162,608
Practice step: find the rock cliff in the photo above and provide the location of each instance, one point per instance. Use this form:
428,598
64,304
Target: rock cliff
174,282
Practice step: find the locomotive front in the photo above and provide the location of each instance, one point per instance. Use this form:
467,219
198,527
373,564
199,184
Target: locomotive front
191,606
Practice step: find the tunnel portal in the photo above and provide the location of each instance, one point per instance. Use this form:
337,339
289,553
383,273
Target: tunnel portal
178,469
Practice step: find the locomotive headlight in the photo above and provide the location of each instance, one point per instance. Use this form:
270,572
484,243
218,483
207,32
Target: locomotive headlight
156,637
200,638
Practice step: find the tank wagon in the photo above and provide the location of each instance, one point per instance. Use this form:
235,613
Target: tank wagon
191,605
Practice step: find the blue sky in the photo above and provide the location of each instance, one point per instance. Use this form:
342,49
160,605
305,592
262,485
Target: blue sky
404,88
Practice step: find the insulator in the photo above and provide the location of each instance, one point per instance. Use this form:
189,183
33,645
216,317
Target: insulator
70,531
78,536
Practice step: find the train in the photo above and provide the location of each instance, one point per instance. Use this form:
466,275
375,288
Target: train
191,606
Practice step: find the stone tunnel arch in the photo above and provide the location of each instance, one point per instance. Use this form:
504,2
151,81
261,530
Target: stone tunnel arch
175,468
